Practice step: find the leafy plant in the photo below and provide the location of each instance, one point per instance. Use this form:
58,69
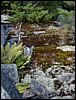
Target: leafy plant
22,87
66,18
14,54
30,13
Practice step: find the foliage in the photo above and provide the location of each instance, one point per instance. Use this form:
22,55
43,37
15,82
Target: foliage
30,13
62,57
22,87
14,54
69,5
35,11
66,18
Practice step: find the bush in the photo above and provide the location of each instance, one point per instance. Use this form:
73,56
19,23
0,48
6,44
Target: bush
30,13
14,54
66,18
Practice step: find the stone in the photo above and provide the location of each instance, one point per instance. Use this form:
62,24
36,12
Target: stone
9,90
48,83
11,71
57,24
53,28
38,89
38,73
67,97
56,97
72,87
57,84
27,79
64,97
71,81
28,51
28,94
48,71
3,35
56,71
39,32
65,77
66,48
4,18
4,94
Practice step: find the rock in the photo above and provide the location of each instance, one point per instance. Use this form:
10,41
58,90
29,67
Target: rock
56,97
38,73
67,97
56,71
27,79
65,87
38,89
4,18
11,71
65,77
53,27
35,26
52,95
57,24
4,94
57,84
66,48
28,94
48,71
72,87
39,97
48,83
28,51
46,44
39,32
64,97
9,90
71,81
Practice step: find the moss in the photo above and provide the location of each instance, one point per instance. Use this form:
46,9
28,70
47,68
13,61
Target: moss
62,57
45,48
22,87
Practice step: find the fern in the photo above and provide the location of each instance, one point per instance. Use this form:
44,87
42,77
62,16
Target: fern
14,54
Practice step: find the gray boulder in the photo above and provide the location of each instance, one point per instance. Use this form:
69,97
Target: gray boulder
4,94
11,71
28,94
8,90
38,89
66,77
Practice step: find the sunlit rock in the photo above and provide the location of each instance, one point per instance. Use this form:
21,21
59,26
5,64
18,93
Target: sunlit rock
66,48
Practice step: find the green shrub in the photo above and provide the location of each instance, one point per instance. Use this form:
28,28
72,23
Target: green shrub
30,13
66,18
14,54
22,87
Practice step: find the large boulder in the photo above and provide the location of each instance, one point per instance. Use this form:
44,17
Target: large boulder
11,71
38,89
8,89
4,94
